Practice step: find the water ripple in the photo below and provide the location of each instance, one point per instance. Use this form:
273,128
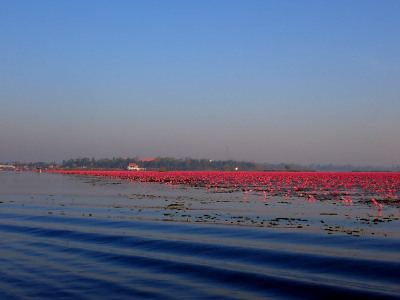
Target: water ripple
71,260
53,256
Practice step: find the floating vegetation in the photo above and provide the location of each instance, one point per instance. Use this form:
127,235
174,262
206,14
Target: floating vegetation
260,199
376,189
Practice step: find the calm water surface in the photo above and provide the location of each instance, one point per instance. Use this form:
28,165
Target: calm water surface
67,237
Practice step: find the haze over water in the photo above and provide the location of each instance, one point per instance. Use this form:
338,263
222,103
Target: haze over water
265,81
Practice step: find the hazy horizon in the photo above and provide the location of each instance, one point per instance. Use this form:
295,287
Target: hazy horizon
335,166
305,82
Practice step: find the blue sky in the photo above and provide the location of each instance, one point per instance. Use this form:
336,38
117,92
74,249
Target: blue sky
264,81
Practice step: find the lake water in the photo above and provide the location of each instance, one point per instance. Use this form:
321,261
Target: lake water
70,237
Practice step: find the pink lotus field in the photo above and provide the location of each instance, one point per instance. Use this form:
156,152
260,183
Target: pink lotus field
376,189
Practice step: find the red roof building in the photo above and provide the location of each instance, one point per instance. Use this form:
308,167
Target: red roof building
148,159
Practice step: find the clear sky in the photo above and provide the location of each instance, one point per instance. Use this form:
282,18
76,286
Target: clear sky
263,81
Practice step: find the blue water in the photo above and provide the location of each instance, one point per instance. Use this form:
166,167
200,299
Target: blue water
48,255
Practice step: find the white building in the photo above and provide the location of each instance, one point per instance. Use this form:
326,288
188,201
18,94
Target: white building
134,167
7,167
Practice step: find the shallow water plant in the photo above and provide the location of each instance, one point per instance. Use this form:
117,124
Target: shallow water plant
374,188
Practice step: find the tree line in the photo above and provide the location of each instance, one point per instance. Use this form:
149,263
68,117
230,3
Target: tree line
192,164
163,164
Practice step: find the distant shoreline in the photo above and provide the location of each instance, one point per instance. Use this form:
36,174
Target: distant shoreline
191,164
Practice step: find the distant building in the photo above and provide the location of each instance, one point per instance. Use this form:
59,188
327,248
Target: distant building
7,167
148,159
134,167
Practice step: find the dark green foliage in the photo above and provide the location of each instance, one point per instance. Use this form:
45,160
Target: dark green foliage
191,164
